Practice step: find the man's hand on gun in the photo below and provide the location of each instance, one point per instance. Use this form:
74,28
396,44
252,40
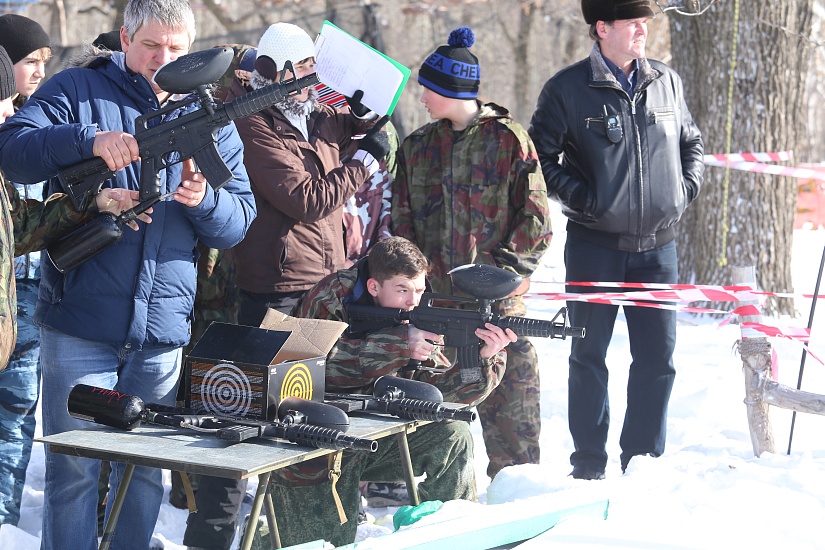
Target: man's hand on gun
495,339
116,200
422,343
118,149
192,186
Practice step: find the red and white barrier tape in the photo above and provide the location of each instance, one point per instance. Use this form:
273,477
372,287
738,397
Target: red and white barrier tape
740,290
668,296
801,173
755,162
750,157
760,330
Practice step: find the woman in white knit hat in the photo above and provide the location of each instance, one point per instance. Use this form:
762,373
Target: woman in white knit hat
303,166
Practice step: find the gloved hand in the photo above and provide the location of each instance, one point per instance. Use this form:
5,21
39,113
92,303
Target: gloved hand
371,149
358,109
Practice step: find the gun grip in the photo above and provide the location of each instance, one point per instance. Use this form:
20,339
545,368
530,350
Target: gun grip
149,179
212,166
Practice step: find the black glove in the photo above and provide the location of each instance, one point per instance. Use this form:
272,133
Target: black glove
371,149
358,109
376,144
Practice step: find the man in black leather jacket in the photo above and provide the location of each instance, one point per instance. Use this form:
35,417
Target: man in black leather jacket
620,152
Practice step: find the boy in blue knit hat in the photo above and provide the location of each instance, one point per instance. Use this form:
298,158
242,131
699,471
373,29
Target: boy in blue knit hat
469,189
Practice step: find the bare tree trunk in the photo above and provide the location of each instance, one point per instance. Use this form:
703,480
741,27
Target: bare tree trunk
523,106
754,226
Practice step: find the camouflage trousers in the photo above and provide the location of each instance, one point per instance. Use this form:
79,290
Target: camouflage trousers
510,416
442,450
19,391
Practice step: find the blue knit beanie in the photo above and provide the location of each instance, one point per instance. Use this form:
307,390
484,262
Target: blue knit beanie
452,71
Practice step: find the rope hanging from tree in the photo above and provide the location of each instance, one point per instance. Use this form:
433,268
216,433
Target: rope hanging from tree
723,258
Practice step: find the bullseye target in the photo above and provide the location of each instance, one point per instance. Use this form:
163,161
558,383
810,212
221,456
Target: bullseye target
297,382
226,390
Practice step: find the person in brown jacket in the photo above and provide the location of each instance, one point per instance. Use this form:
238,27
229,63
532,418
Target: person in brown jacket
303,166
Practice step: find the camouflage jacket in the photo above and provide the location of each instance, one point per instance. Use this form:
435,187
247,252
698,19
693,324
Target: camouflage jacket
26,226
367,213
354,364
474,196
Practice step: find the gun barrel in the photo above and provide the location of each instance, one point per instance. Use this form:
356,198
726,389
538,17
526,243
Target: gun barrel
416,409
267,96
539,328
326,438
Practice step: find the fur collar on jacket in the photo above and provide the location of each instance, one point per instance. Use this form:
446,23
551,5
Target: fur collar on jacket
600,72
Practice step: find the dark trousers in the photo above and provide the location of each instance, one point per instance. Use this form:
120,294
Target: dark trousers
219,499
652,335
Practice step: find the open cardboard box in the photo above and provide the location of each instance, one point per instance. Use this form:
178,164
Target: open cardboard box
237,370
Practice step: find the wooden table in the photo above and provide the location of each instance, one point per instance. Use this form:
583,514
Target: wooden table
187,451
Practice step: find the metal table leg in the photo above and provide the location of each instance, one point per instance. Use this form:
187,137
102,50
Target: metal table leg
274,535
252,525
406,465
117,506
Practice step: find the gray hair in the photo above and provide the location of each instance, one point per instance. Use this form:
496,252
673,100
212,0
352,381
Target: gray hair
594,33
176,14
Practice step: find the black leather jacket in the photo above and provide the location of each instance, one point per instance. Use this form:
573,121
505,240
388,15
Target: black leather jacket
627,194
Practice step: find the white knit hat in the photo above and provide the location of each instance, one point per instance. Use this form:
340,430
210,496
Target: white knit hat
284,42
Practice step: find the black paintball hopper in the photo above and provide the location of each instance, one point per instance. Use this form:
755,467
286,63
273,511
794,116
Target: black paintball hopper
486,282
184,74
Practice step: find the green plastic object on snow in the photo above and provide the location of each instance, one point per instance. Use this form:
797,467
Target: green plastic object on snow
407,515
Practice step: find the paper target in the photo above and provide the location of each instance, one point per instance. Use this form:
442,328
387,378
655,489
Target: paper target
297,382
226,390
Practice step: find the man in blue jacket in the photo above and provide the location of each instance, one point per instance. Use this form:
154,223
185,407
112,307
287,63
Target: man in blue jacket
119,320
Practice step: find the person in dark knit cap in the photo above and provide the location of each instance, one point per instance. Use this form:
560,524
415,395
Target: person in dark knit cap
29,48
624,180
469,190
109,40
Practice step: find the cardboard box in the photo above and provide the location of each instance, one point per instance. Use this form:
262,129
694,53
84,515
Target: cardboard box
237,370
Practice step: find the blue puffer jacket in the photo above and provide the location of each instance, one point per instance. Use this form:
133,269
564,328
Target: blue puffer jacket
141,291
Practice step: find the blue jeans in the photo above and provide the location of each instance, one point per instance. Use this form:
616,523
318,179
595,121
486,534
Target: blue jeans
19,389
652,335
70,499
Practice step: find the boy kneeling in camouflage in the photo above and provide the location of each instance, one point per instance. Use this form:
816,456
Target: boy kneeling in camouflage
393,275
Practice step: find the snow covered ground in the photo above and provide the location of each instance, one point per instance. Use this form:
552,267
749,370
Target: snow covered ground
707,490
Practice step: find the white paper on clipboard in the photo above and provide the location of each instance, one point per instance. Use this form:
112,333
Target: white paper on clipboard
346,64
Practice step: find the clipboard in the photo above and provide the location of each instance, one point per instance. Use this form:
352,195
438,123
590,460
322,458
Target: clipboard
346,64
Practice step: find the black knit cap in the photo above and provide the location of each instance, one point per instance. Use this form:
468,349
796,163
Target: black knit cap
7,85
452,71
109,40
615,10
21,36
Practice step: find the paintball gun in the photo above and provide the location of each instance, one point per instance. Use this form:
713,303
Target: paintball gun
191,135
408,399
485,284
300,421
